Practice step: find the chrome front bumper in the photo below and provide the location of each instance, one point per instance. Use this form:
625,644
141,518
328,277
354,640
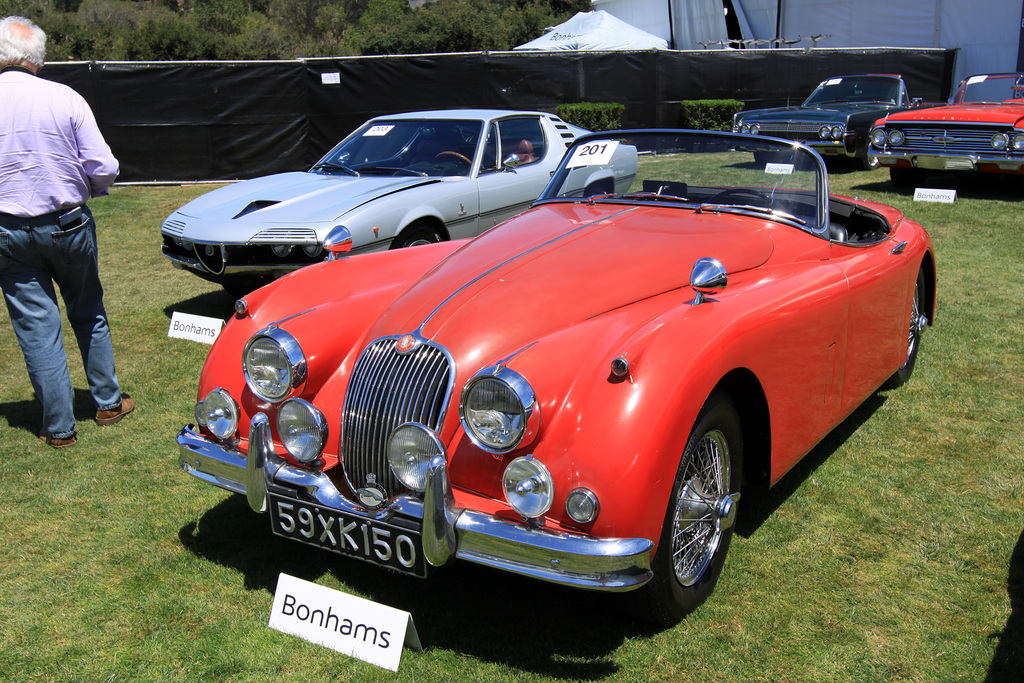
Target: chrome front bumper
949,162
611,564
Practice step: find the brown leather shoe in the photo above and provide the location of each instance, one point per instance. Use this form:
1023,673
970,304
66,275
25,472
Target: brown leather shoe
114,415
55,442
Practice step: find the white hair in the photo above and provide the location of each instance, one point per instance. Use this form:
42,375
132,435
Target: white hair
18,45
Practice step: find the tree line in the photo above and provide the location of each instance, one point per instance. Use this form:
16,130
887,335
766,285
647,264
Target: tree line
160,30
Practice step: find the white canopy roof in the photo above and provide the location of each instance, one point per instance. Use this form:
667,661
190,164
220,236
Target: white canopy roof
596,30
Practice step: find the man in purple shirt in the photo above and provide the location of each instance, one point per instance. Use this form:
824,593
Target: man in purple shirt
52,159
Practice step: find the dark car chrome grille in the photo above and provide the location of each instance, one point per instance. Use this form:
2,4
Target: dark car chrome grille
772,127
947,139
388,389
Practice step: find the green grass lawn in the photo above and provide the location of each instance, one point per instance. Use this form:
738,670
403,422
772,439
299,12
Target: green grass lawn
893,552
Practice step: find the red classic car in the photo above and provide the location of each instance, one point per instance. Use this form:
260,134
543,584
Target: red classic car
982,129
581,393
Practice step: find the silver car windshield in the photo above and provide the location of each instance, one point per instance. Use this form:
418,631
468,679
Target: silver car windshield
700,171
421,147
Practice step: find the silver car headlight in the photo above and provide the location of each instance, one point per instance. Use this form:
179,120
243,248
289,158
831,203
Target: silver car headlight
273,364
529,488
896,138
1018,142
302,429
825,131
410,449
755,128
1000,141
837,132
499,410
582,505
878,137
218,412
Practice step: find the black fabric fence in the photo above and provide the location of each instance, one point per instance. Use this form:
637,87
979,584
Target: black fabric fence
179,122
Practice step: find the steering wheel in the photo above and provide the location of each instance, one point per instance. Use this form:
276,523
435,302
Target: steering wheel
741,192
452,154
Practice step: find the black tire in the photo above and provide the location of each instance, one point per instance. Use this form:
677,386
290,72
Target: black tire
917,325
905,178
415,235
700,517
239,287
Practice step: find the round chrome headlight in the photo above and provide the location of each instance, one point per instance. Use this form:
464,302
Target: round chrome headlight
273,364
895,138
582,505
529,488
755,128
281,250
1018,142
1000,141
219,413
312,250
824,132
410,449
837,132
744,128
498,409
878,138
302,428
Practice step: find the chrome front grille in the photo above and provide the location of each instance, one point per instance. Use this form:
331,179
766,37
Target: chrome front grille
944,139
388,389
772,127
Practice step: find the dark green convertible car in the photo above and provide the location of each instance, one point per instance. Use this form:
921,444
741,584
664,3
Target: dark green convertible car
836,119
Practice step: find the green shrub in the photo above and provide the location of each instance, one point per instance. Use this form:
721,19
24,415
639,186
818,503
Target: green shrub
592,115
709,114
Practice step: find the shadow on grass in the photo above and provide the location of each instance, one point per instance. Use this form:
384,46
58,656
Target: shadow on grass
28,414
1008,662
967,185
495,616
216,304
758,505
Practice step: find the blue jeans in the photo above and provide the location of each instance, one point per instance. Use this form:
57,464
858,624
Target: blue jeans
35,253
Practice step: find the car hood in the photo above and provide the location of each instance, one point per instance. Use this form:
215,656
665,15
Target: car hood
836,111
1004,113
523,281
295,198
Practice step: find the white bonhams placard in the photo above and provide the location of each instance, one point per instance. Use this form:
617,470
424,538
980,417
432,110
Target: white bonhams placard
925,194
195,327
356,627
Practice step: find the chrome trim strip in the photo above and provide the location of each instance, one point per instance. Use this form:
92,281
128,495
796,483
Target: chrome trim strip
612,564
504,263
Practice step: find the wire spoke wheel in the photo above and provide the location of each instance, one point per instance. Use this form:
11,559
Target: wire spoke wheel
697,523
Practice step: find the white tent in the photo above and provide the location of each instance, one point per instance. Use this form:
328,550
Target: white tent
596,30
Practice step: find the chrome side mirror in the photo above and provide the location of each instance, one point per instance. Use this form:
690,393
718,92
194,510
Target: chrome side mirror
511,161
707,277
338,242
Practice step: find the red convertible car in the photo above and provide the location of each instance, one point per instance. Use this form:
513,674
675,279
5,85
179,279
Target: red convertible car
581,393
982,129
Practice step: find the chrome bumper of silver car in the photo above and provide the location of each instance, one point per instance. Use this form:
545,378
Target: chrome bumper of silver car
612,564
948,162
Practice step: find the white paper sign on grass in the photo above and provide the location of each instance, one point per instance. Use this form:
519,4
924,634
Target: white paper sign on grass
195,327
925,194
356,627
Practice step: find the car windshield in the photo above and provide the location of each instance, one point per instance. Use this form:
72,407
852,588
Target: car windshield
880,89
422,147
699,171
992,88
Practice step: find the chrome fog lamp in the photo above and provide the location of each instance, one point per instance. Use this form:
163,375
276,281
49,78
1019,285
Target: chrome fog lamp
1018,142
498,409
220,413
302,428
281,250
824,132
312,250
895,138
837,132
878,137
409,450
1000,141
273,364
529,488
582,505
